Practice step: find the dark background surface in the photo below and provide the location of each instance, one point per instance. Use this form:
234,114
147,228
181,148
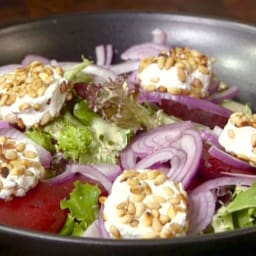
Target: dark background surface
12,11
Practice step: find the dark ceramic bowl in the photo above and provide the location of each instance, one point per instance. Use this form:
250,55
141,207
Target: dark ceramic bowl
66,38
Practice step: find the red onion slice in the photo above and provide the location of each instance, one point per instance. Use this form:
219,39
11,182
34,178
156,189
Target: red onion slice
214,85
146,143
176,142
125,67
100,55
102,231
142,51
222,181
229,159
202,200
188,108
239,175
44,155
201,211
159,36
111,171
191,143
210,137
109,54
191,103
228,94
177,158
86,171
92,231
159,137
33,57
4,124
8,68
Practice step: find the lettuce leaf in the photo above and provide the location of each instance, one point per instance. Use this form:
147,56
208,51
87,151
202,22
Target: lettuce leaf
109,139
76,73
72,137
239,213
42,138
83,208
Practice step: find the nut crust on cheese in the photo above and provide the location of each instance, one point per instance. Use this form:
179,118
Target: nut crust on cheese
32,95
145,204
20,168
179,71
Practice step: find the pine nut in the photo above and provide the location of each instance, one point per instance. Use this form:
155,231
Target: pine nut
115,232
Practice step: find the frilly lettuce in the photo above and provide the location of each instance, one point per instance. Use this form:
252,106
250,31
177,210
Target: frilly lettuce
239,213
83,208
72,138
42,138
109,139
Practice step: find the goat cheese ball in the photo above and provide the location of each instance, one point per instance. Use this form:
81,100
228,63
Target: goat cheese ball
20,168
179,71
239,137
146,204
32,95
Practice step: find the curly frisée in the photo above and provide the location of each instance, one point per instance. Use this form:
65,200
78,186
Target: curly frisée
152,147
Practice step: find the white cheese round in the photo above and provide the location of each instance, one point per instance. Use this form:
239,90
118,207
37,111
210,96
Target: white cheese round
50,102
239,141
155,207
20,169
170,79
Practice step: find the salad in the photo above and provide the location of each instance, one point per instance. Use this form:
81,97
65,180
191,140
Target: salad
152,147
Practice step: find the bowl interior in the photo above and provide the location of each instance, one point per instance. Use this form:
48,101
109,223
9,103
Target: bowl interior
66,38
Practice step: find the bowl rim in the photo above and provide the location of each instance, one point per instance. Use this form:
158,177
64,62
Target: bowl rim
184,17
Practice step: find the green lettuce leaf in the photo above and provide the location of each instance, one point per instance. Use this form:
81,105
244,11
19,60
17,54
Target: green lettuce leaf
239,213
83,208
73,138
42,138
83,113
109,139
76,73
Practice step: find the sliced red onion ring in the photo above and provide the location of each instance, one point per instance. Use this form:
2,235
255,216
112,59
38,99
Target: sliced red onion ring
8,68
229,159
177,157
142,51
202,201
146,143
111,171
210,114
109,54
201,211
93,230
159,36
191,143
44,155
228,94
4,124
214,84
104,54
100,55
33,57
125,67
133,77
220,182
209,136
67,65
177,143
87,171
101,74
159,137
239,175
102,231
